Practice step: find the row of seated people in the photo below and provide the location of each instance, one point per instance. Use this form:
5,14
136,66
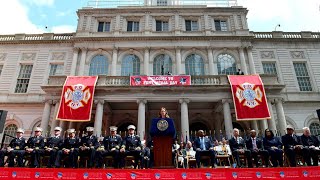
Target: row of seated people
72,147
268,148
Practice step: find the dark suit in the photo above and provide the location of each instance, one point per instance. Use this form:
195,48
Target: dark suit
53,145
109,142
18,145
258,151
37,144
90,144
130,144
235,146
308,152
289,143
202,147
275,154
71,144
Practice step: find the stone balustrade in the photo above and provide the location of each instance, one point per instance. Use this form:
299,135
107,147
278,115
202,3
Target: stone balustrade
286,35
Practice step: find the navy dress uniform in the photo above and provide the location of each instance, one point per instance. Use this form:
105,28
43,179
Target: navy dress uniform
274,147
204,147
292,145
16,148
110,147
35,147
131,146
70,149
88,145
52,147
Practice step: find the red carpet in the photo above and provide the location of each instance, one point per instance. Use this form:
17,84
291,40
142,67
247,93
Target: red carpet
169,174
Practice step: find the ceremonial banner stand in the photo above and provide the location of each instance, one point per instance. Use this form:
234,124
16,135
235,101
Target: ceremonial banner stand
162,133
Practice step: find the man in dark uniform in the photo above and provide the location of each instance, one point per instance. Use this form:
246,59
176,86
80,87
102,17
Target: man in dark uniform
110,147
310,147
204,147
70,149
35,147
15,148
237,146
131,146
292,145
88,146
53,145
254,144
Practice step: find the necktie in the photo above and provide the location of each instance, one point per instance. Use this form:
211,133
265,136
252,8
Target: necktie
202,144
254,144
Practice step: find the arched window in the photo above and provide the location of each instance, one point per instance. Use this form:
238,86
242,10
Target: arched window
226,64
98,65
130,65
162,65
194,65
10,130
315,128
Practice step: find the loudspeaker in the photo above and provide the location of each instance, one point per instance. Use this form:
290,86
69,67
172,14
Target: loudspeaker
318,112
3,117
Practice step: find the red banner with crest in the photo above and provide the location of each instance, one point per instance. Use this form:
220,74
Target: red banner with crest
179,80
77,98
249,97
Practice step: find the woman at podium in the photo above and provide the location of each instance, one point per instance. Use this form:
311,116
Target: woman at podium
163,113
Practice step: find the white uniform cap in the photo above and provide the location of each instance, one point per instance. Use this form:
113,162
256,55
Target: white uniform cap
57,128
71,131
113,128
290,127
38,129
20,130
131,127
90,129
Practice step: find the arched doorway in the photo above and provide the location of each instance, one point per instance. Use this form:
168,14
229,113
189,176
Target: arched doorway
122,129
195,127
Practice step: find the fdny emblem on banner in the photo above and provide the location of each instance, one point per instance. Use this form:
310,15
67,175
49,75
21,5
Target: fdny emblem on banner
76,96
249,95
162,125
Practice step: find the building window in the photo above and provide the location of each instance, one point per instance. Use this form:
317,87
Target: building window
315,128
162,2
269,68
226,64
221,25
98,66
162,26
10,130
162,65
194,65
104,27
130,66
56,69
23,79
133,26
191,25
302,76
1,67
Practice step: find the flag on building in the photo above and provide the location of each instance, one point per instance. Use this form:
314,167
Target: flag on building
77,98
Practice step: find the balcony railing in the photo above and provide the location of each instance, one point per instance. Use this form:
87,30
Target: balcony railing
286,35
36,37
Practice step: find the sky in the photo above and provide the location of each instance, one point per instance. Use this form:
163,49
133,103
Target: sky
59,16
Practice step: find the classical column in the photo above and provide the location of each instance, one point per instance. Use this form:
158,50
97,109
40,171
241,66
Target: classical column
178,60
210,57
46,116
55,122
217,125
236,23
64,126
146,60
82,61
281,117
243,61
98,117
251,62
227,117
114,62
263,125
184,117
254,125
74,61
141,118
272,121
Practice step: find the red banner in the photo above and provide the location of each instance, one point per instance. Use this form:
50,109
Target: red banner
77,98
160,80
249,97
310,173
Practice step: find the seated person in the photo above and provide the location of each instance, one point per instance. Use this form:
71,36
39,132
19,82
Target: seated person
237,146
145,155
70,149
187,153
52,147
35,147
254,144
88,145
310,147
274,147
223,148
292,145
204,147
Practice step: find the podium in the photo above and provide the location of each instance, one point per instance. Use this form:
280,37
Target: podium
162,133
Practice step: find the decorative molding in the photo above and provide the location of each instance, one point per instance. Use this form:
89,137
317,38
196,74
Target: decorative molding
58,56
28,56
297,54
3,56
267,55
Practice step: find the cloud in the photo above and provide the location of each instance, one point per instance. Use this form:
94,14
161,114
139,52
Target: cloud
42,2
64,13
63,29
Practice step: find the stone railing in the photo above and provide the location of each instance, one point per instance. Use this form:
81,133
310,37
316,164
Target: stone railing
205,80
36,37
287,35
7,37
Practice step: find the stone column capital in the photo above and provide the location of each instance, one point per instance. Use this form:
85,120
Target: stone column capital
99,101
209,48
177,48
76,50
115,49
144,101
226,101
84,49
147,49
240,49
249,48
49,101
184,100
278,100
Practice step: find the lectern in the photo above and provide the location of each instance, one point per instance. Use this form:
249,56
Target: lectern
162,132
